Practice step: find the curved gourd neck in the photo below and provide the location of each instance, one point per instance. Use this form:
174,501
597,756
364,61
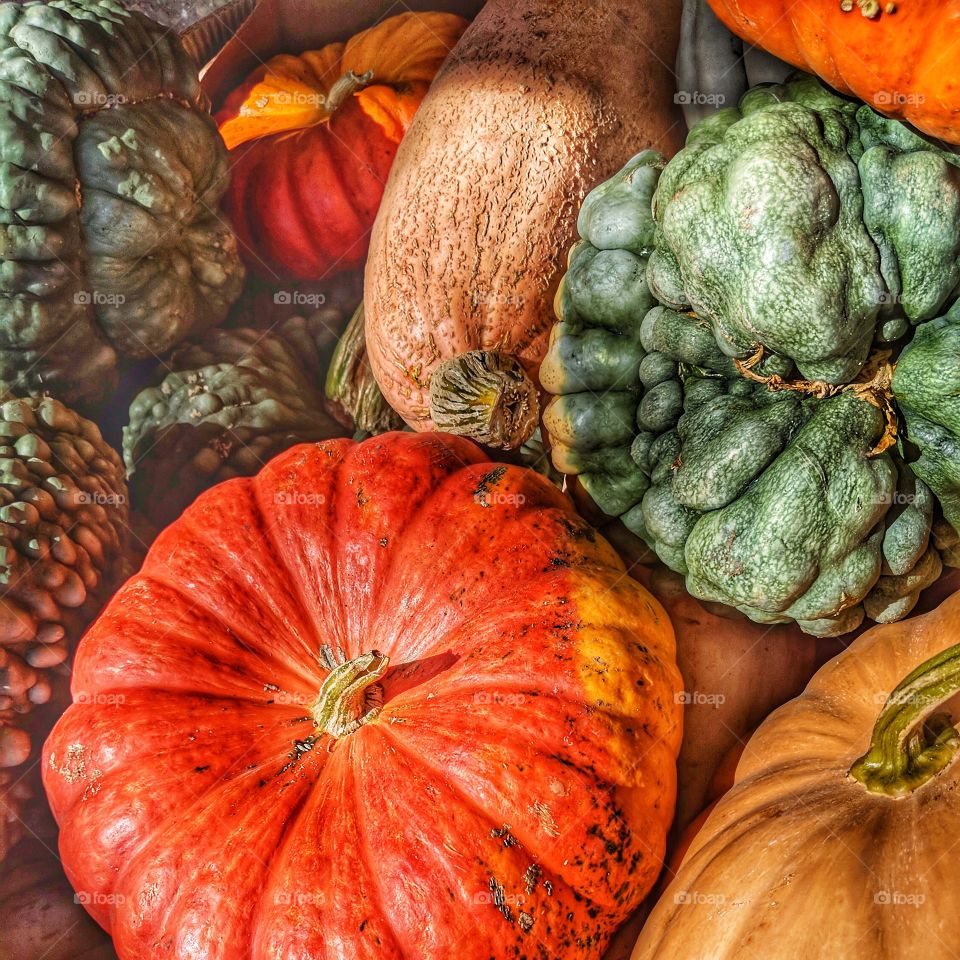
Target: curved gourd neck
911,743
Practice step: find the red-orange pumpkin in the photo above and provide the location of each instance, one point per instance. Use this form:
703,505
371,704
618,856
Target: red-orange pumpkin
490,771
312,138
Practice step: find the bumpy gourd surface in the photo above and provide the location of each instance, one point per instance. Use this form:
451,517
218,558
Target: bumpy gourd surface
808,224
228,402
63,522
927,387
110,179
775,502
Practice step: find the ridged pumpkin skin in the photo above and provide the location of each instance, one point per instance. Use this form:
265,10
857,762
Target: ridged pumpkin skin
308,173
302,203
110,178
809,225
510,800
524,118
774,502
800,858
898,62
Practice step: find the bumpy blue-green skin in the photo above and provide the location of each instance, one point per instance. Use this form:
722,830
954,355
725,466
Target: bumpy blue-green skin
926,385
111,174
770,501
808,224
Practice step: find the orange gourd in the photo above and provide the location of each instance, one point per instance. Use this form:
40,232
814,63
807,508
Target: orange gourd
898,56
312,138
386,696
835,838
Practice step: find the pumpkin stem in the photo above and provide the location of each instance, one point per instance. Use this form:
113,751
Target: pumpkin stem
350,696
344,88
910,744
486,396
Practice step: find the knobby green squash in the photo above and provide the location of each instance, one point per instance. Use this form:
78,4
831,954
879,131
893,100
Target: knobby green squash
926,384
807,224
779,496
228,402
111,174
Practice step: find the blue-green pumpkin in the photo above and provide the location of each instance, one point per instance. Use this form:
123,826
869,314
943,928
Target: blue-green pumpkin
766,476
112,245
808,224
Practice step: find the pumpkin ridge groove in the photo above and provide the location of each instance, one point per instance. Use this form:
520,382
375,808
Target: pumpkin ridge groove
267,527
398,535
373,874
130,859
163,574
181,814
496,823
467,475
249,645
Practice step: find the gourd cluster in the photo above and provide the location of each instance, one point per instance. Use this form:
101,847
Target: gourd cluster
63,519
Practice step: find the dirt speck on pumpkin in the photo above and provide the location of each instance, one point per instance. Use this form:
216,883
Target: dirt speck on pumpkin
531,877
74,769
500,900
504,834
525,920
487,481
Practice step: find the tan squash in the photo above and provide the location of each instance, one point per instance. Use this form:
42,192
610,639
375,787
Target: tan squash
539,102
838,837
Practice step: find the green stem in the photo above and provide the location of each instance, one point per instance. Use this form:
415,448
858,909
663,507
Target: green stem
350,696
486,396
344,88
910,744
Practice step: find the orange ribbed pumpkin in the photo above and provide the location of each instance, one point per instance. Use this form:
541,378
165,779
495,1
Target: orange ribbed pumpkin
312,138
484,767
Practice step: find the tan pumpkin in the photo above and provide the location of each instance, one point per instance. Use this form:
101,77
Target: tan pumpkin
538,102
837,838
